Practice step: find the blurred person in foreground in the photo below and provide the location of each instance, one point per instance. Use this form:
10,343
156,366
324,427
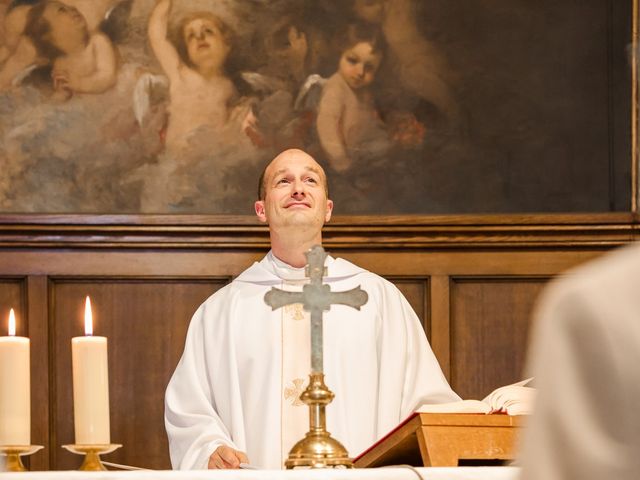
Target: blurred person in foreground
585,356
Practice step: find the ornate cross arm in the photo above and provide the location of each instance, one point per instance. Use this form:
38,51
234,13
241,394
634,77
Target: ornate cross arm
316,298
356,297
277,298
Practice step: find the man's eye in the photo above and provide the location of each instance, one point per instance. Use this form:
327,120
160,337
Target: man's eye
352,60
282,180
312,180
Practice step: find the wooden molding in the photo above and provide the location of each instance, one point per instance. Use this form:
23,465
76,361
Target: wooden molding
343,233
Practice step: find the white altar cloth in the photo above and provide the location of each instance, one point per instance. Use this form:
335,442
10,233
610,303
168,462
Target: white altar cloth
387,473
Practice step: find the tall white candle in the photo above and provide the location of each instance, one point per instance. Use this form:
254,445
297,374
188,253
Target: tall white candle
90,385
15,385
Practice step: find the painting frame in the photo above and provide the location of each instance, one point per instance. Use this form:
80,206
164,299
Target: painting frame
405,216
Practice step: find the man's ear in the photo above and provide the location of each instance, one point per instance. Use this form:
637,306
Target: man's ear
260,211
327,216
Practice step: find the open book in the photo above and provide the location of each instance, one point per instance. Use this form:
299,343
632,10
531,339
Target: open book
515,399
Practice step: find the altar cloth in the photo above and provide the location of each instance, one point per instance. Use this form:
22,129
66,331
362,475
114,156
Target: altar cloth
390,473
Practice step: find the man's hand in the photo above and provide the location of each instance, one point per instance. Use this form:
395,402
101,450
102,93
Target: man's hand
226,457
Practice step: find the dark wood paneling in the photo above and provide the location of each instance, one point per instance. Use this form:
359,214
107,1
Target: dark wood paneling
454,232
13,295
146,323
41,405
416,291
440,326
472,279
489,327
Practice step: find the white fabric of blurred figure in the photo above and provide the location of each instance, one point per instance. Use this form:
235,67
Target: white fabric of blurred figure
585,356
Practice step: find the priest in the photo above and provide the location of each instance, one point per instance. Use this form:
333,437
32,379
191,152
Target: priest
234,396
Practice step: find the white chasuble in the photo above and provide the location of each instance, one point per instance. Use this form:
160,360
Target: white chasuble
296,366
240,372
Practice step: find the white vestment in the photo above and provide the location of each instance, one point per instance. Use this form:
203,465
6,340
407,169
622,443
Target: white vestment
236,383
586,359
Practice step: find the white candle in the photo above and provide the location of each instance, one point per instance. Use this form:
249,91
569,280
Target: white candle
90,385
15,385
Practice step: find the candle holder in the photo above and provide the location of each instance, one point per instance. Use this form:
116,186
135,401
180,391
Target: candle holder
318,449
92,454
13,454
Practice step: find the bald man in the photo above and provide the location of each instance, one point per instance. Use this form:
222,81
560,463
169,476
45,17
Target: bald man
234,397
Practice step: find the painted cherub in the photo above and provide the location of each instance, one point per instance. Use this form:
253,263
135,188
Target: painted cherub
82,61
18,53
201,93
94,11
423,69
347,119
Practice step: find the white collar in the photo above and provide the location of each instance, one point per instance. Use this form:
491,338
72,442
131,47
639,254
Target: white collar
271,271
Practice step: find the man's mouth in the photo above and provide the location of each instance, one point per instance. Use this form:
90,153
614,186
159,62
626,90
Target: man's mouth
298,204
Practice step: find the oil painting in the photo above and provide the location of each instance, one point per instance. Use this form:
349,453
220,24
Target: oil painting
412,106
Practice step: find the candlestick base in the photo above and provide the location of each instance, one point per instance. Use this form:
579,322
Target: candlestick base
318,449
92,454
13,453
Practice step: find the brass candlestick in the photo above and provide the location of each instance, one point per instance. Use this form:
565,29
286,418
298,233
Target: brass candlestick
13,453
318,449
92,454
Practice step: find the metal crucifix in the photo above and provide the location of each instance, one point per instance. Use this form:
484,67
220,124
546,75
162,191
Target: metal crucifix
317,449
316,298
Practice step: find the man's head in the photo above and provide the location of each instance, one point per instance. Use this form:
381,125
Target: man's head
293,192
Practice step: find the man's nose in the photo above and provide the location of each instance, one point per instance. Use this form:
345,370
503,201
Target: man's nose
298,189
360,70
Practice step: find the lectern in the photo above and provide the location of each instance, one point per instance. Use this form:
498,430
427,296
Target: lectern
446,440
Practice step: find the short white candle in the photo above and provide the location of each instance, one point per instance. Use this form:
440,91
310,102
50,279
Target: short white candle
15,385
90,385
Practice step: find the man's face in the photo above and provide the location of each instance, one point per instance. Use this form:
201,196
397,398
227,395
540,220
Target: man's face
295,193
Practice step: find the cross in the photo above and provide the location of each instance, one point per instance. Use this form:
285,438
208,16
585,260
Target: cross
316,298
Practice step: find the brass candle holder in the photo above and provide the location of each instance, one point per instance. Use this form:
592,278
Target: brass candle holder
92,454
318,449
13,463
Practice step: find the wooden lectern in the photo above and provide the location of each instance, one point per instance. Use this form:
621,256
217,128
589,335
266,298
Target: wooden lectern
446,440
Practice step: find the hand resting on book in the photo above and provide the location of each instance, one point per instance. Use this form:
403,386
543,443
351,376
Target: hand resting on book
515,399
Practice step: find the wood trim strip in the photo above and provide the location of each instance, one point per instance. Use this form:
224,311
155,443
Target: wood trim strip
41,375
440,322
400,232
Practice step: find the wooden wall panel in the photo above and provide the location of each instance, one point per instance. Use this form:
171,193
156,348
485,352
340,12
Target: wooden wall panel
13,295
41,405
416,291
489,326
145,322
471,279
